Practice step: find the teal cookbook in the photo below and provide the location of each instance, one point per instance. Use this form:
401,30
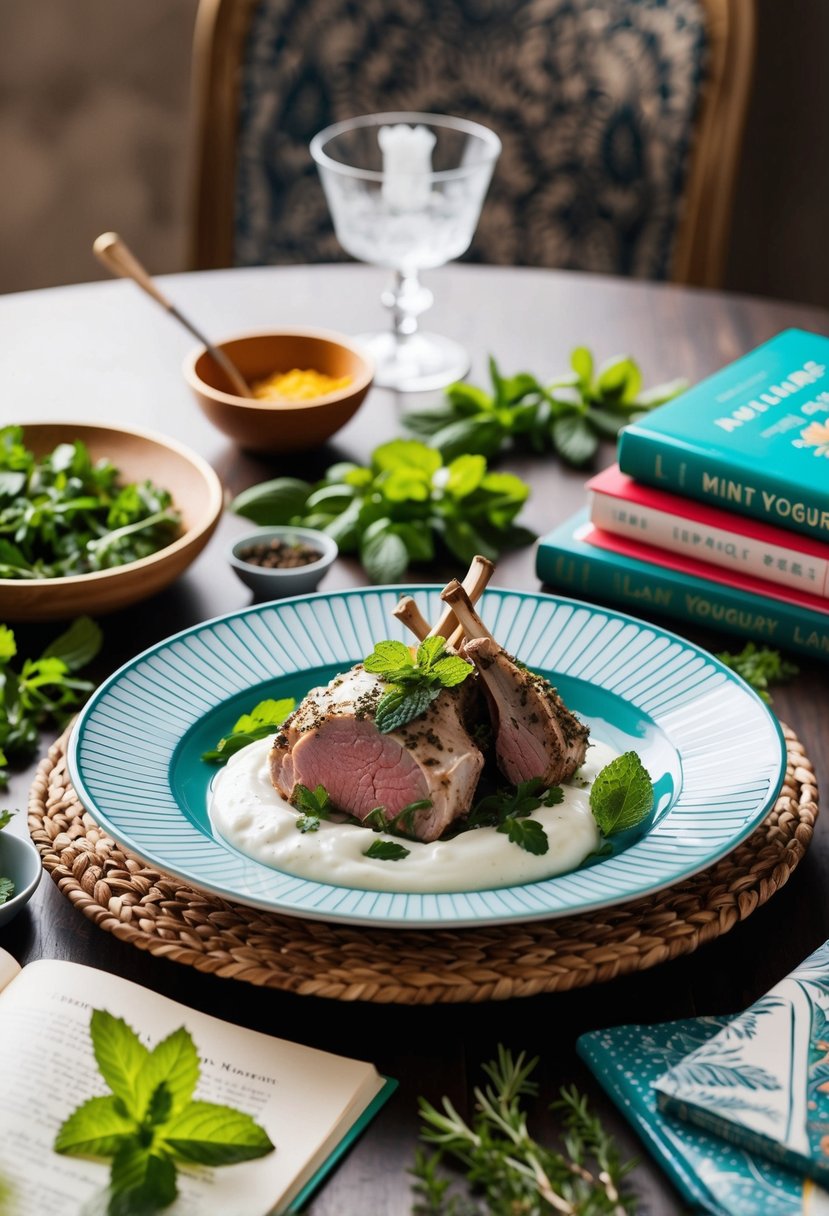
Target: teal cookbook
753,438
762,1082
712,1175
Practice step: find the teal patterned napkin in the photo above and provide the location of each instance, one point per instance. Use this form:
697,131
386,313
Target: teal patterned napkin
714,1176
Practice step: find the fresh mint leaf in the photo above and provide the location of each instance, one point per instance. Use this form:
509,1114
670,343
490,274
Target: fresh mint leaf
210,1134
142,1181
120,1056
78,646
263,720
553,797
97,1128
6,890
452,670
621,795
174,1064
386,850
8,646
280,501
528,834
389,659
383,553
5,816
429,651
403,703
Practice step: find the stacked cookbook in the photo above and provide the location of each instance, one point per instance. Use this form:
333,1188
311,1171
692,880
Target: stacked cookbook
718,510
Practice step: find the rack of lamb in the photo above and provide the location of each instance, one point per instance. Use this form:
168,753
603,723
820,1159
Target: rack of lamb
332,738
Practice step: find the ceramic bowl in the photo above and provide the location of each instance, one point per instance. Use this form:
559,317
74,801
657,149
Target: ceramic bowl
19,861
271,426
278,582
138,455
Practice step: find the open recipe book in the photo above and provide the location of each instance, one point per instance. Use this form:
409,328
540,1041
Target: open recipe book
311,1103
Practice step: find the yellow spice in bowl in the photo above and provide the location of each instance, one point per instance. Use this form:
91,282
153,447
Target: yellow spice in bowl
298,385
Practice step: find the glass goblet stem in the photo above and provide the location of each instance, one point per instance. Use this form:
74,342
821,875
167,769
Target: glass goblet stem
407,298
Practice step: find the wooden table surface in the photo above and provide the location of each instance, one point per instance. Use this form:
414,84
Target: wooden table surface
104,352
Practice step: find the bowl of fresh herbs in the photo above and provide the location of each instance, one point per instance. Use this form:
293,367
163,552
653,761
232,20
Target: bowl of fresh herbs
94,518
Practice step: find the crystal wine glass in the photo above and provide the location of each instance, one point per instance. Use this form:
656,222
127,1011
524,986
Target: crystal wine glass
405,191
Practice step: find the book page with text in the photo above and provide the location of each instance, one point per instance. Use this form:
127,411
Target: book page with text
9,968
305,1099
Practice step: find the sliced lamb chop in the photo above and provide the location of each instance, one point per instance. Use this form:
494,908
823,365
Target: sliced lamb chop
331,739
535,734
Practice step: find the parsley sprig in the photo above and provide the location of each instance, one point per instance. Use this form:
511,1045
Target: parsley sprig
150,1120
43,692
509,810
760,666
263,720
314,804
415,680
567,415
503,1163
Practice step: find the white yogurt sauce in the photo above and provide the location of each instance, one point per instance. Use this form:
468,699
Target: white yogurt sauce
249,814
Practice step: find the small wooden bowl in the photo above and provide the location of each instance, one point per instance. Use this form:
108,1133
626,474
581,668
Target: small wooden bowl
275,426
138,456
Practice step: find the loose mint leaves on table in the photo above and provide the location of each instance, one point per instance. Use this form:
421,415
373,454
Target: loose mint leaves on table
42,692
760,666
150,1120
61,514
568,415
396,509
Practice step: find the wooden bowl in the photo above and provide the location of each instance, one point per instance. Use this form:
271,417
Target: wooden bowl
138,456
275,426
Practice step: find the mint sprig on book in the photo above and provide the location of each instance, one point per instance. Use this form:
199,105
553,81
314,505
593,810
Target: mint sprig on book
568,415
150,1121
415,680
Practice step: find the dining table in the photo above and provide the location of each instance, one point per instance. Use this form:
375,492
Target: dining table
101,352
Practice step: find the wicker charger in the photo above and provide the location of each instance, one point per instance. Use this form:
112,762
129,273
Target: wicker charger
161,914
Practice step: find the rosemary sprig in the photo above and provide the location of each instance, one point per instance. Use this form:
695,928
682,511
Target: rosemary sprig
506,1170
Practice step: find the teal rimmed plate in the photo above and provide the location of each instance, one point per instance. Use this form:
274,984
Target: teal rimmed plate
713,749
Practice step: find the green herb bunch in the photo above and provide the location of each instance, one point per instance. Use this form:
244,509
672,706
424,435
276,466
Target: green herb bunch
507,1171
760,666
415,680
44,692
150,1122
509,811
62,514
399,507
569,415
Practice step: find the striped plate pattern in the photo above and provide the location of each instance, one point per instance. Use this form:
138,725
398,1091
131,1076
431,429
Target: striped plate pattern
729,752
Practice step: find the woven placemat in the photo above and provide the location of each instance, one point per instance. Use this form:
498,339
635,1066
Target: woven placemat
161,914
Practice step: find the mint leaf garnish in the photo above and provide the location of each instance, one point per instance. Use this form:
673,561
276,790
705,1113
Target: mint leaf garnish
386,850
414,682
315,802
6,890
263,720
150,1120
621,795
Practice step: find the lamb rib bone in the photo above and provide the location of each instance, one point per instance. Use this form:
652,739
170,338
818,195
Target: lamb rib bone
474,583
536,735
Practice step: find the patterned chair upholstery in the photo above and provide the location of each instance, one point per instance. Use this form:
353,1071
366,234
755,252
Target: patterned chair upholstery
601,106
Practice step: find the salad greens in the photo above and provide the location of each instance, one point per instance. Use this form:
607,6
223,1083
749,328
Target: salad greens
393,511
61,514
567,415
150,1120
43,692
6,884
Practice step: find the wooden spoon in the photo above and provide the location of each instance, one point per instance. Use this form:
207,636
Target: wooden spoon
119,260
